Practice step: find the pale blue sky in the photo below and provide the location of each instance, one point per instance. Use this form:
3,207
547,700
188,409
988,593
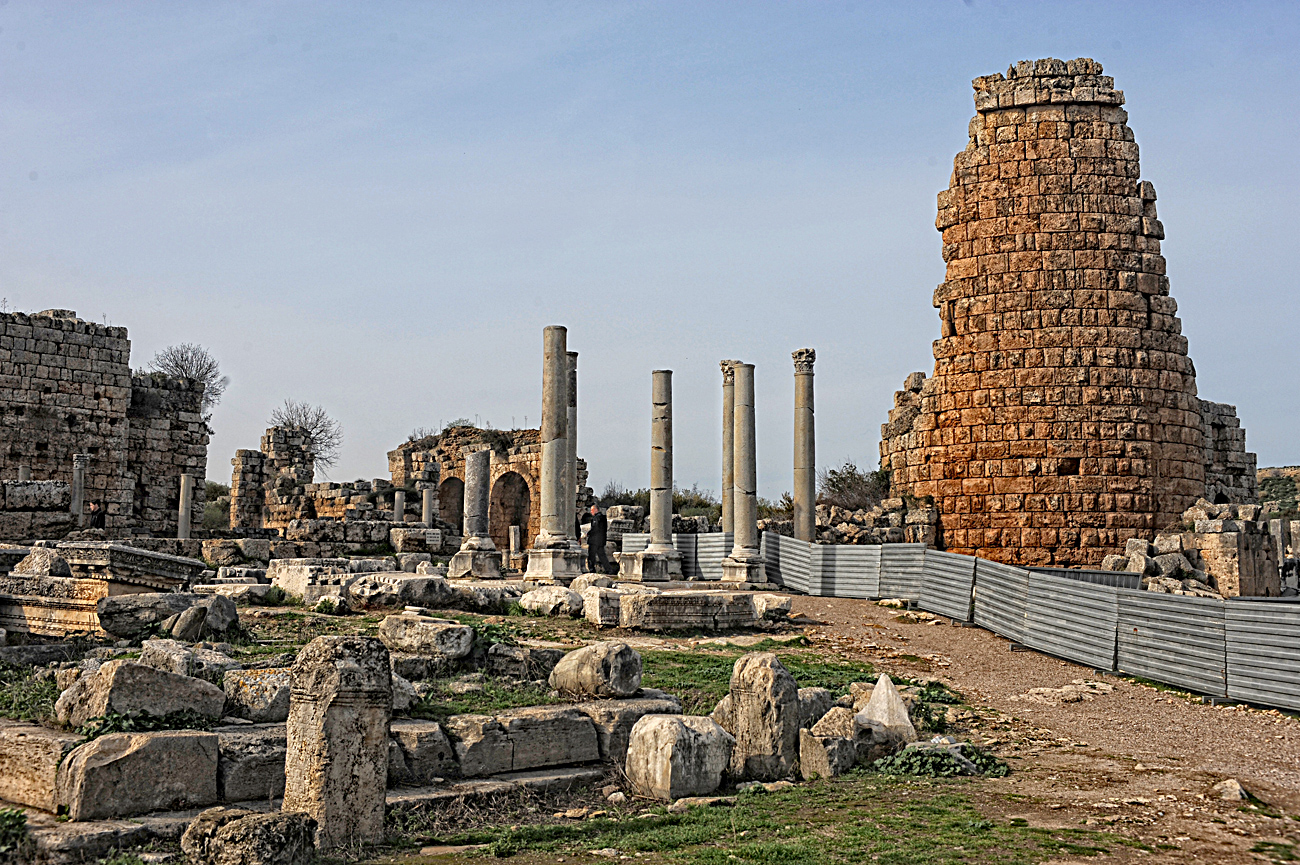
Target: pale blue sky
378,206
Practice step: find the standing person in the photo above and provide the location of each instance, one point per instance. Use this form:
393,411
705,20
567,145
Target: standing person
597,561
96,520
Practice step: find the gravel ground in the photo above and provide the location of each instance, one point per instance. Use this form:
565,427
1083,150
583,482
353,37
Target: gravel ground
1116,753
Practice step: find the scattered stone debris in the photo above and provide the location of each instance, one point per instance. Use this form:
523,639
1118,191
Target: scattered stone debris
1076,692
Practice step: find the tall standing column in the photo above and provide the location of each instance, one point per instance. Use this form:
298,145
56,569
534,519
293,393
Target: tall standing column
186,507
659,560
428,506
728,442
745,564
478,556
399,506
571,463
78,507
805,447
552,559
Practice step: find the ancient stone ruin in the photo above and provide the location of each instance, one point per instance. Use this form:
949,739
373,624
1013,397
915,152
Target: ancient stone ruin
1062,418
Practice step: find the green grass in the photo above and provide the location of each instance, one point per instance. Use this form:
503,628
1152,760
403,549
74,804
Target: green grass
1276,851
853,819
498,695
24,697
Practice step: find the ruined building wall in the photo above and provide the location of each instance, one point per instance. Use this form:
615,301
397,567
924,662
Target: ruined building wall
1230,472
66,388
1062,416
268,487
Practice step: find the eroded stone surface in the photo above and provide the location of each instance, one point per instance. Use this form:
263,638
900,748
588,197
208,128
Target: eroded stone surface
608,669
233,836
176,657
765,718
673,756
250,762
128,688
261,696
425,635
29,763
122,774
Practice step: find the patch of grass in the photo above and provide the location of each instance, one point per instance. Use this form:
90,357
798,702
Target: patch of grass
120,857
113,722
13,830
497,695
1276,851
852,819
24,696
940,764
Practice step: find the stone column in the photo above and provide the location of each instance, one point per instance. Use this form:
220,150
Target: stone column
571,463
186,507
553,560
78,507
745,564
336,764
660,560
478,556
428,506
728,442
805,447
399,506
24,473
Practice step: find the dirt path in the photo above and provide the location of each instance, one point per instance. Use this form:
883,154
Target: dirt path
1122,754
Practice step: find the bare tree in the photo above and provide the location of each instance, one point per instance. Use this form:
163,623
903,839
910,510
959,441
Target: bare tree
325,432
189,360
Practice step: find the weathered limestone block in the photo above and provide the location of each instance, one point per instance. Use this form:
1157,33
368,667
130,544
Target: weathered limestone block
129,616
407,632
769,606
415,540
813,704
484,598
250,762
187,626
765,718
480,744
671,756
825,756
422,752
336,768
614,720
222,553
222,615
404,696
106,777
294,576
552,601
586,581
29,763
260,696
522,662
522,739
233,836
43,562
676,610
608,669
175,657
133,689
722,714
600,606
870,738
887,708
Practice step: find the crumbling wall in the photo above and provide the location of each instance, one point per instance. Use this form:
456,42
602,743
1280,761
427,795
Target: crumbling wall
167,437
268,487
1062,417
1230,473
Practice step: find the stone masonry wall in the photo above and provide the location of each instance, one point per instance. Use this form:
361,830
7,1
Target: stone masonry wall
167,437
1230,473
1062,416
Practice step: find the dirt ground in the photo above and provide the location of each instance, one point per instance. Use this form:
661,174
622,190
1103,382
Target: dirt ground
1136,760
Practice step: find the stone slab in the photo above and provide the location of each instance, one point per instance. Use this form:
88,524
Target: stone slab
29,762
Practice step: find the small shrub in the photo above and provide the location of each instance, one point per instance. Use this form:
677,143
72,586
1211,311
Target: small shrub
24,696
112,722
326,606
852,488
516,609
13,830
939,763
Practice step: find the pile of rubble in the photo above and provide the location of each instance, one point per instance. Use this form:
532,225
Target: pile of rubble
890,522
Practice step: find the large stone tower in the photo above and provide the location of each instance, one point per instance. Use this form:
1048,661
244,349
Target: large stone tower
1062,417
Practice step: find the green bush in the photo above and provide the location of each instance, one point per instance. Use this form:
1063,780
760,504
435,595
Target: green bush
852,488
326,606
24,696
939,763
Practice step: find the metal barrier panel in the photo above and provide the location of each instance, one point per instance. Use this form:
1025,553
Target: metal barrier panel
1263,638
635,543
787,562
845,570
1114,579
1072,620
947,580
1173,639
710,550
900,571
685,544
1001,598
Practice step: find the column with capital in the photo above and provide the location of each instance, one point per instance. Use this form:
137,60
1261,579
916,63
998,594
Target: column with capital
745,563
805,447
728,441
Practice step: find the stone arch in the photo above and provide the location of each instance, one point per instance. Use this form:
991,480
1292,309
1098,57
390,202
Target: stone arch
451,502
509,505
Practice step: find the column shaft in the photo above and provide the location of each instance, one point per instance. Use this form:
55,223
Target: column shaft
728,443
805,458
78,506
554,433
428,506
478,467
745,496
399,506
571,463
661,462
186,504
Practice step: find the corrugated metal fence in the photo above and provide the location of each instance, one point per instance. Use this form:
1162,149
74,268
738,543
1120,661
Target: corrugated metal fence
1246,649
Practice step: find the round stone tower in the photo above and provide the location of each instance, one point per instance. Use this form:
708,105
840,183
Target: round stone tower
1062,416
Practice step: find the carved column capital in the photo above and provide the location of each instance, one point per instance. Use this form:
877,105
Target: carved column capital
804,359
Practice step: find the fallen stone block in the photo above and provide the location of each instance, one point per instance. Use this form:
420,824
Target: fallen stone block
614,720
133,689
176,657
425,635
123,774
600,606
673,756
260,696
484,598
682,610
607,669
295,576
129,616
552,601
234,836
480,745
29,763
522,662
887,708
765,718
422,753
250,762
813,704
549,736
825,756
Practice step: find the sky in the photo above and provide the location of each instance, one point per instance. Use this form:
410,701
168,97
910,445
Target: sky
377,207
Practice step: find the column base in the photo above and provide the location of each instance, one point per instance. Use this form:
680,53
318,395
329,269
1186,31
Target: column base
648,567
560,565
746,569
475,564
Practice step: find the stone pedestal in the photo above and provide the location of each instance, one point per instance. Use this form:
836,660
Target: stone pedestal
186,507
553,558
728,443
745,563
336,765
80,462
805,457
659,560
478,557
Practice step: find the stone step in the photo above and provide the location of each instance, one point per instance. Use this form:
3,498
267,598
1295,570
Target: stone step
413,798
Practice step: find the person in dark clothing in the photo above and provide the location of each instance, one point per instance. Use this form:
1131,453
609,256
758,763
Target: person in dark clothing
597,561
96,520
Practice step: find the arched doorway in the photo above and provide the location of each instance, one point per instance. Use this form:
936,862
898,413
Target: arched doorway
451,502
509,506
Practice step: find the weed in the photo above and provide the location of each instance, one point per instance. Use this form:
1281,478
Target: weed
13,830
112,722
497,695
120,857
940,763
1276,851
24,696
516,609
